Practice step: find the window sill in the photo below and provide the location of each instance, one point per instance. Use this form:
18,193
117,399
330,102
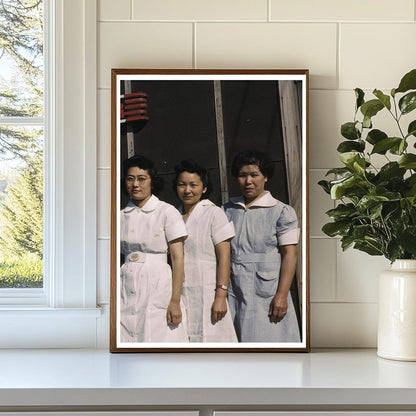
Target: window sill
42,311
95,379
39,327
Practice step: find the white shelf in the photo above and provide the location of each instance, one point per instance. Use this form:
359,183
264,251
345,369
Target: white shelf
335,379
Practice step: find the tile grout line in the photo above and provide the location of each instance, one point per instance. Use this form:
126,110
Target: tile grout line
338,63
194,62
256,21
269,11
335,248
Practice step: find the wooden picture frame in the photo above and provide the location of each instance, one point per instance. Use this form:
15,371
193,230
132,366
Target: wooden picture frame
208,116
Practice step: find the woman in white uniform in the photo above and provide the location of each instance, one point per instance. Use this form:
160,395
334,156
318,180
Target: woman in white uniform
150,291
207,257
263,256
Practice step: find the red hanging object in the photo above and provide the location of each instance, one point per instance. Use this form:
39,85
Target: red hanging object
133,110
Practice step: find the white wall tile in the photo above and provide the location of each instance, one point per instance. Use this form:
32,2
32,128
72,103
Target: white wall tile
104,128
104,202
323,269
143,45
399,10
114,10
346,325
328,110
320,202
277,46
103,271
200,10
376,55
357,275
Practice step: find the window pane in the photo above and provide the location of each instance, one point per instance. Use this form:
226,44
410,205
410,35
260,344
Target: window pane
21,211
21,143
21,58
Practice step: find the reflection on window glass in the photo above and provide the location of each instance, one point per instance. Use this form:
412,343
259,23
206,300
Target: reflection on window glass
21,143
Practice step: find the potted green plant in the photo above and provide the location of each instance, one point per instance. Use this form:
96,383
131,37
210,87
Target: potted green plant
376,206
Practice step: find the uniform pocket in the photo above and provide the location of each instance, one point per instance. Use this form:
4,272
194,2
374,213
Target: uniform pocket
127,281
267,279
162,292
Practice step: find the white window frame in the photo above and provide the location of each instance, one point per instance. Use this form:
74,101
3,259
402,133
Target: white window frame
64,313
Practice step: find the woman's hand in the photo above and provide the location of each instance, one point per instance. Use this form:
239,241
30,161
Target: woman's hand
219,306
278,308
219,309
278,305
174,314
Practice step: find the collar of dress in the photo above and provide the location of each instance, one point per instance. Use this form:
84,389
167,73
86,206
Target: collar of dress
149,206
201,203
265,201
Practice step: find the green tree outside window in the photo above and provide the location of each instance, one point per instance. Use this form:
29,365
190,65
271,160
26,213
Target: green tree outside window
21,143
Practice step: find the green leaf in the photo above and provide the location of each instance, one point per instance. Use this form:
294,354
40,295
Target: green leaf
342,211
341,180
346,242
350,146
382,146
375,135
359,166
333,229
411,180
391,170
354,161
411,183
375,211
408,82
375,243
408,161
349,187
368,202
399,148
411,130
402,148
394,250
371,108
325,186
338,171
359,94
348,158
338,189
385,99
372,247
407,239
350,131
408,102
367,122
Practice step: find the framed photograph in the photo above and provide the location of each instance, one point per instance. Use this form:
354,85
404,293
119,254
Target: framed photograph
209,211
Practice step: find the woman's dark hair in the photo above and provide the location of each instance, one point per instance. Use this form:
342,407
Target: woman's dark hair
252,157
191,166
144,163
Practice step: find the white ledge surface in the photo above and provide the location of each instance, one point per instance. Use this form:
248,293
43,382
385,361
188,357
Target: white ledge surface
87,377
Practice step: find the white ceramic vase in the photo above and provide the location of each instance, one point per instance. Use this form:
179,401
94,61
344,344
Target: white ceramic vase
397,312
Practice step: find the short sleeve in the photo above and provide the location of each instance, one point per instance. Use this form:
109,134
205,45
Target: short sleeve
174,224
287,226
221,228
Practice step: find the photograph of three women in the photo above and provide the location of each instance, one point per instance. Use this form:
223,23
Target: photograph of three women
208,248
